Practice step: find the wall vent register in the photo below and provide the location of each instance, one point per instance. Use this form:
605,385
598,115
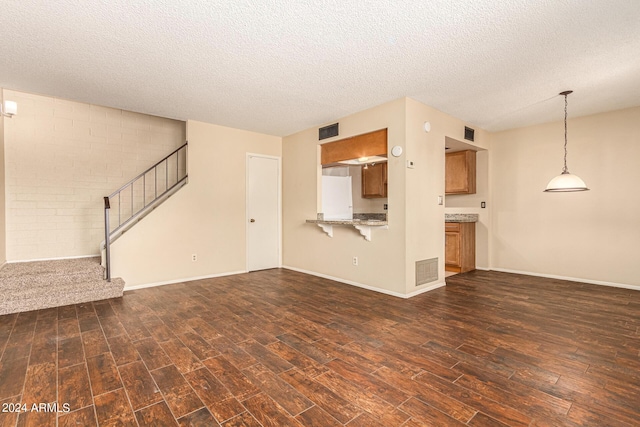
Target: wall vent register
426,271
469,134
328,132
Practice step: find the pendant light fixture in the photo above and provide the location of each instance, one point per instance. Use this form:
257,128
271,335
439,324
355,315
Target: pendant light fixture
566,181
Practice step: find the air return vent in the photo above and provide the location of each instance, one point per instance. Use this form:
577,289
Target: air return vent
469,133
426,271
328,131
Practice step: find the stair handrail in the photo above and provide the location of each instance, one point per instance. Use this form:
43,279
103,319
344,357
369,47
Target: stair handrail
148,170
107,238
107,204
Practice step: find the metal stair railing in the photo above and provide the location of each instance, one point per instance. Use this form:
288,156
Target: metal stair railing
140,195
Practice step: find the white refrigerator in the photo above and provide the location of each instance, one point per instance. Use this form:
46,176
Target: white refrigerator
337,202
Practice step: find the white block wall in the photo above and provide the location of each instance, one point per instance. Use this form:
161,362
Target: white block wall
61,159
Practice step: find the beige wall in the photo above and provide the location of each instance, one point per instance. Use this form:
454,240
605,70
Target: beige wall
61,159
425,218
3,236
206,217
306,247
416,221
588,236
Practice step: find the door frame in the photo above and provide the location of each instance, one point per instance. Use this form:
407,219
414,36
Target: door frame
246,209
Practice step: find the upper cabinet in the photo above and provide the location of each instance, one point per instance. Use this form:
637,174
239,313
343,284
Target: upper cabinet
460,172
368,145
374,181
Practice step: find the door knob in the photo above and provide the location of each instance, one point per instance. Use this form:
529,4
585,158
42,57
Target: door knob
252,220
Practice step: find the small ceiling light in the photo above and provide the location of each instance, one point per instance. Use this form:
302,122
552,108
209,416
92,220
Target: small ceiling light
10,109
566,181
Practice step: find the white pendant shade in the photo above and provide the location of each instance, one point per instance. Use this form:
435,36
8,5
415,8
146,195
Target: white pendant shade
566,182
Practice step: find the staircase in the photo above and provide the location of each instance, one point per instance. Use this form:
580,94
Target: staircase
27,286
126,206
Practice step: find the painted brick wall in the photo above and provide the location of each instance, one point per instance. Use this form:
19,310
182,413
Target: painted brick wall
61,159
3,246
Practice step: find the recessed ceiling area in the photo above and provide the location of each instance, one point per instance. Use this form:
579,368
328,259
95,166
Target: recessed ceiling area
278,67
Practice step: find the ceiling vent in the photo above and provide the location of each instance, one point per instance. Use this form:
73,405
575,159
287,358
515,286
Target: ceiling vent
469,134
328,132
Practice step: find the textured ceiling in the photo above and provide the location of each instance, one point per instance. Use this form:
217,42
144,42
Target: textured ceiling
279,67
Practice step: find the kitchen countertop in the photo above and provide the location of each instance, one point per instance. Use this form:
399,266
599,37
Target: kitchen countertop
371,219
460,217
372,222
363,222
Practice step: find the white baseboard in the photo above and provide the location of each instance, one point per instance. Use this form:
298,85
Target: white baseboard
368,287
572,279
51,259
187,279
425,289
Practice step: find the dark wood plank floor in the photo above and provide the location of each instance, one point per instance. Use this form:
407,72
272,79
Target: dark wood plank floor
280,348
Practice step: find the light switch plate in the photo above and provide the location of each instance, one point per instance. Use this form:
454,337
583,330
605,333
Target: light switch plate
410,164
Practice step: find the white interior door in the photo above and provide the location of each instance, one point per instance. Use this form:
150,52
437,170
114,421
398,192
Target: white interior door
263,212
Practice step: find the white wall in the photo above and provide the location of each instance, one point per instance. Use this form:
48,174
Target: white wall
587,236
206,217
61,159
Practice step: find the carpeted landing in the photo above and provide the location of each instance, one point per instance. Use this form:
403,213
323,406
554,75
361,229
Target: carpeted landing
27,286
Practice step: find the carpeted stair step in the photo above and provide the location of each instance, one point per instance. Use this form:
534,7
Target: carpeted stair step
43,284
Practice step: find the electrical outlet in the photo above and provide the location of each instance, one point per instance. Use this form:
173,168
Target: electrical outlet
194,257
440,200
483,205
385,206
355,260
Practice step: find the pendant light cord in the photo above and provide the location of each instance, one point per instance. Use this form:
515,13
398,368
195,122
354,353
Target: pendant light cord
565,170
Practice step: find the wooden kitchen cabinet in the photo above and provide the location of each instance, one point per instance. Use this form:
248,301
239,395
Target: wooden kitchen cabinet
365,145
374,181
460,246
460,172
